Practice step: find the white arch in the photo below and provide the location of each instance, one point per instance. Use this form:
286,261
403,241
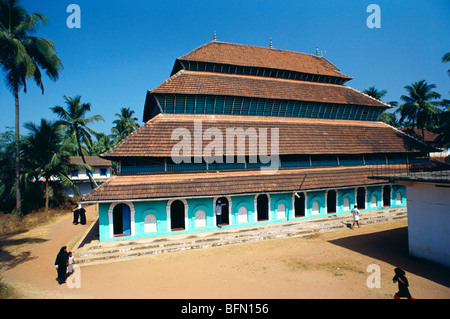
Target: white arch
110,217
255,203
186,219
230,205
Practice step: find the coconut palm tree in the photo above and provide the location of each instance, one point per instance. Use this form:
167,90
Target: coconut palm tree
390,119
446,58
375,93
124,125
104,143
22,55
44,157
73,119
421,106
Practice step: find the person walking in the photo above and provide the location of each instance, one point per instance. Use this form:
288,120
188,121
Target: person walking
355,213
403,284
61,265
76,215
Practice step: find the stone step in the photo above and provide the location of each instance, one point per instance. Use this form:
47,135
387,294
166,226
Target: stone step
102,252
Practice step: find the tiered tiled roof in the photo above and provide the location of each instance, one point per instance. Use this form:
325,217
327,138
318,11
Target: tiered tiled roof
245,71
296,135
133,187
209,83
254,56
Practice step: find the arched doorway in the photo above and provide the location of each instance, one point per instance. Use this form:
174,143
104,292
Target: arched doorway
121,220
387,196
331,202
262,206
299,205
225,210
177,215
361,198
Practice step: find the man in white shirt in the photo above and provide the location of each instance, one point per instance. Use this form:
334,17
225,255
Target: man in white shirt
218,212
355,213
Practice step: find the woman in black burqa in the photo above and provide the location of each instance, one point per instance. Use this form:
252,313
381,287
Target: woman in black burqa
403,290
61,264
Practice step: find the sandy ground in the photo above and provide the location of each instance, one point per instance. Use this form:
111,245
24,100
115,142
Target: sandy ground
331,264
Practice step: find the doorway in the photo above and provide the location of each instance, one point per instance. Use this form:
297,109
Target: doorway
299,204
225,210
177,215
361,198
331,202
387,196
121,220
262,205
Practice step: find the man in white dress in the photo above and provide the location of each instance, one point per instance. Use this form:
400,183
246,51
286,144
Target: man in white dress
355,213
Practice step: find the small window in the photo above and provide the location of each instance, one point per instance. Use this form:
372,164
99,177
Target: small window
103,171
243,214
281,211
74,173
315,208
373,201
150,225
346,204
200,218
399,198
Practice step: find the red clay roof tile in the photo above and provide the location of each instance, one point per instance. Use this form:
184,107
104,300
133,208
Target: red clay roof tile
296,135
208,83
254,56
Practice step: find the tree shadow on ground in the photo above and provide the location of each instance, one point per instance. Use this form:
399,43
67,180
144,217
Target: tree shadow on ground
391,246
8,259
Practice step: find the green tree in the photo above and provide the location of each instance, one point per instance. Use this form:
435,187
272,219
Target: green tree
22,55
73,119
45,158
124,125
104,143
445,59
386,117
31,193
421,106
375,93
390,119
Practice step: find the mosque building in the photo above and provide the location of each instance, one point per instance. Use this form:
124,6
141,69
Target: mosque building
273,135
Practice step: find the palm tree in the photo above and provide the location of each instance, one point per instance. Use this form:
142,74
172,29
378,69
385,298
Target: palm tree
73,120
390,119
446,58
104,143
420,106
124,125
373,92
44,157
21,57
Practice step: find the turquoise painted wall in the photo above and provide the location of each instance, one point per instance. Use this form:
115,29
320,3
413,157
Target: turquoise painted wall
242,213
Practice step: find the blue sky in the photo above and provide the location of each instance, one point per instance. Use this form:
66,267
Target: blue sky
125,48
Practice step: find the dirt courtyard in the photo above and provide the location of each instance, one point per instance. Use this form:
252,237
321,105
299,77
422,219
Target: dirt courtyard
332,264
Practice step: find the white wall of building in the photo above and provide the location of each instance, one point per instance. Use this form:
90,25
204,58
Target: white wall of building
429,222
